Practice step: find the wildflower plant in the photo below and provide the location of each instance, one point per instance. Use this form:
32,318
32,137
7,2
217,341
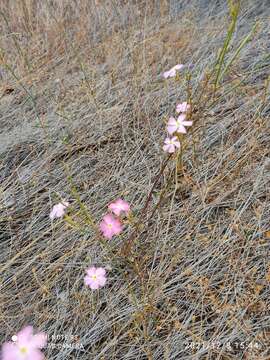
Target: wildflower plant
178,125
171,144
173,71
122,233
58,210
110,226
182,107
95,278
119,206
25,345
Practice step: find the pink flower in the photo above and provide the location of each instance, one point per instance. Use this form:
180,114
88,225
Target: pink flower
170,144
110,226
172,71
25,346
118,206
95,278
58,210
183,107
178,125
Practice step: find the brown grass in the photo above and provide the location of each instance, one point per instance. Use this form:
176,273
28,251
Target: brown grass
83,108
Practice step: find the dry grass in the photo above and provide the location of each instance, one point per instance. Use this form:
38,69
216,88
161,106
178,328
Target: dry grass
82,98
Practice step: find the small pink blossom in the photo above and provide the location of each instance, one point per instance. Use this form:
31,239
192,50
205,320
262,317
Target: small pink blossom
170,144
95,278
58,210
110,226
183,107
25,346
118,206
172,71
178,125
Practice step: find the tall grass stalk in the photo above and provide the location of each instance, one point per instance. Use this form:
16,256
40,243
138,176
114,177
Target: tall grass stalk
234,12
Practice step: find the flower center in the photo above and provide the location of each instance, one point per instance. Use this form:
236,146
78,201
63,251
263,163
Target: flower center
94,277
110,226
23,350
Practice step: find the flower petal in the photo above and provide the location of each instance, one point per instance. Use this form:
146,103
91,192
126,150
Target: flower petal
171,129
181,129
167,141
39,340
94,285
35,355
91,271
166,74
88,280
183,107
102,280
171,149
187,123
9,351
25,334
166,147
178,66
177,144
172,121
100,271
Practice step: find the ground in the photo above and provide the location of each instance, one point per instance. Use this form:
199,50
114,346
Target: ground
83,112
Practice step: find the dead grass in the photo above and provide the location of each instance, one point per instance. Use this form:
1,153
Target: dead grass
82,96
